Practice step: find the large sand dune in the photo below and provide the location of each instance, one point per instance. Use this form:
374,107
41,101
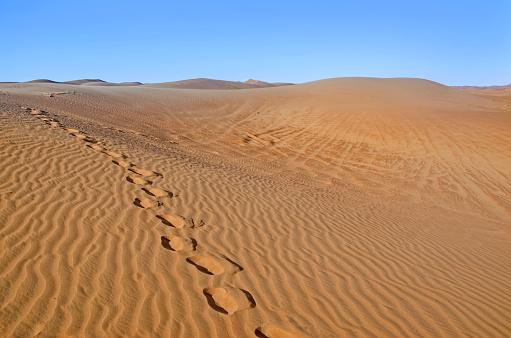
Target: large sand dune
344,207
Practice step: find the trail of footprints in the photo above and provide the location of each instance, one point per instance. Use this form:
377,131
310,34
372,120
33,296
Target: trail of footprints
225,300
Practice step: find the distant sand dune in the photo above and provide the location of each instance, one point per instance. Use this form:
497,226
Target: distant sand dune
185,84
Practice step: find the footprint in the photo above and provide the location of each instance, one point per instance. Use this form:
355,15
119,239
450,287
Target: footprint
271,331
111,153
95,147
54,124
144,172
229,300
177,243
156,192
146,203
138,180
84,137
71,130
90,140
78,135
212,265
178,221
123,164
172,220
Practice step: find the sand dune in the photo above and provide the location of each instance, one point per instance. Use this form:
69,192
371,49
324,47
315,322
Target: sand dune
184,84
339,208
42,81
214,84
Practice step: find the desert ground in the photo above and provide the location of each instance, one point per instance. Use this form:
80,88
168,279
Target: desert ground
347,207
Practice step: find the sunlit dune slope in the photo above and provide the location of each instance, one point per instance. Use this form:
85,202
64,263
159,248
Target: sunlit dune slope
406,132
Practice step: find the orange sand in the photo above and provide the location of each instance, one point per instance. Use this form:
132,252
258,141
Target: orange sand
346,207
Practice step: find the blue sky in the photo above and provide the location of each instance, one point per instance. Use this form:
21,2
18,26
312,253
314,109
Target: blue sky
452,42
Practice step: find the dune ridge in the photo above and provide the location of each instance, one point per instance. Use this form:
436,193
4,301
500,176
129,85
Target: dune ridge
329,211
200,83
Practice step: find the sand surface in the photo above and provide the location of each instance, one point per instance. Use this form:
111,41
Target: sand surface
350,207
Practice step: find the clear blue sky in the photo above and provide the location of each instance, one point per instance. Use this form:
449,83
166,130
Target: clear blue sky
449,41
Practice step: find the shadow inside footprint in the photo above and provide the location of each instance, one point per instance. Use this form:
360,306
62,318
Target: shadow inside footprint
250,298
237,266
259,334
175,221
212,303
214,265
164,221
200,268
165,242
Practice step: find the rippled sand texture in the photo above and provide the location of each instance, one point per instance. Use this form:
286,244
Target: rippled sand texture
340,208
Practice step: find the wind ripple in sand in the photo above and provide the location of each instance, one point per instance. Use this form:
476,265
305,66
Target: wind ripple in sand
229,300
212,265
177,243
